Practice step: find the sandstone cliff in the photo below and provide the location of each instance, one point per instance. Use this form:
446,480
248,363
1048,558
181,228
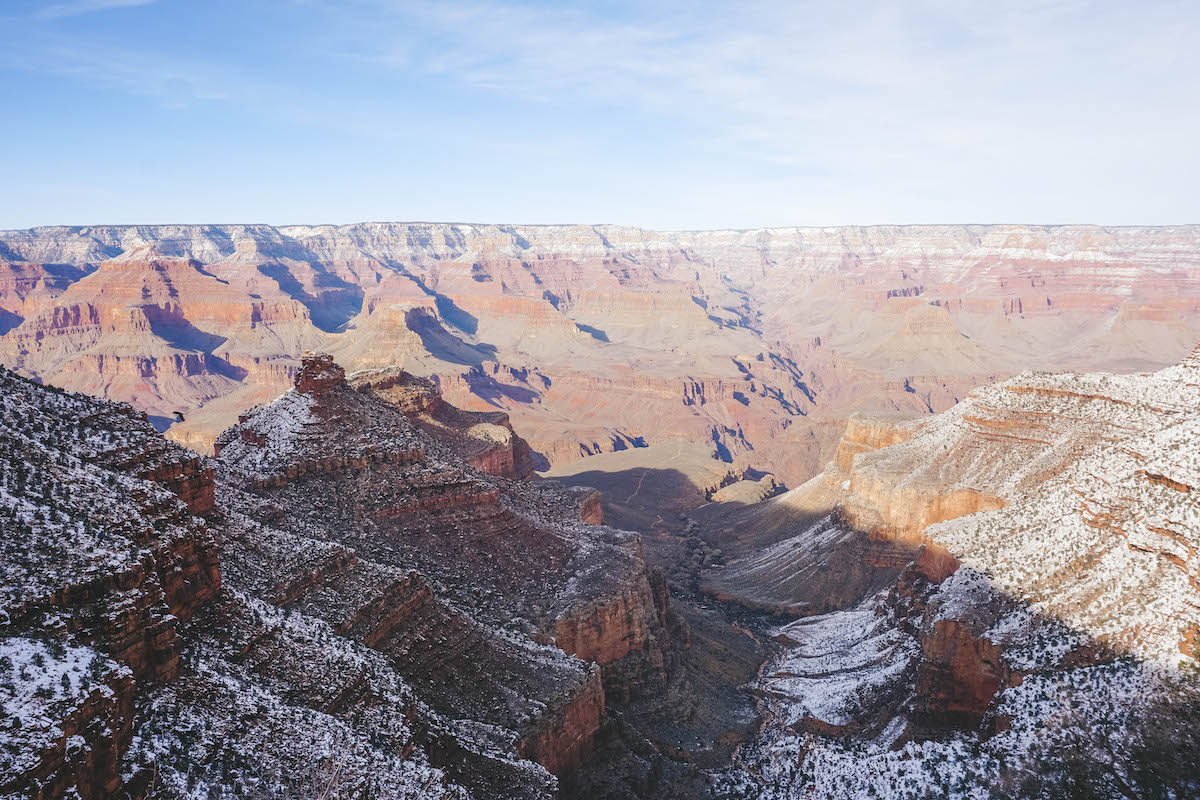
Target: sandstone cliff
1051,529
596,338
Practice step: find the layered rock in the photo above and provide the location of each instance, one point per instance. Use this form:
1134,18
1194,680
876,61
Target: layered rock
70,712
337,642
595,338
374,472
1105,456
102,550
484,440
1053,530
104,537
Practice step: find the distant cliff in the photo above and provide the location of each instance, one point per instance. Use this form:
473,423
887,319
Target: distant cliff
596,338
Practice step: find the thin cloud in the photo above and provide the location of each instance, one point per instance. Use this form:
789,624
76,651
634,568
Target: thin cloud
784,111
876,87
61,10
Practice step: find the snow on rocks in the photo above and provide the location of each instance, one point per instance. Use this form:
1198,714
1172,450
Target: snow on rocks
1071,603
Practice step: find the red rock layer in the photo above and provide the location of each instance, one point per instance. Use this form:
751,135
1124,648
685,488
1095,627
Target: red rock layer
100,727
763,342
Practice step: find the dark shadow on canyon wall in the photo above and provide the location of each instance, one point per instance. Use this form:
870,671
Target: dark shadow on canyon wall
660,746
8,321
332,308
171,326
443,344
463,320
735,567
595,333
492,391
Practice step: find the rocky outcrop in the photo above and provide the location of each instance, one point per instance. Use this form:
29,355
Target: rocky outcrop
66,453
318,374
623,634
377,463
64,744
107,556
968,485
959,675
562,743
594,338
1053,537
190,479
338,515
484,440
591,509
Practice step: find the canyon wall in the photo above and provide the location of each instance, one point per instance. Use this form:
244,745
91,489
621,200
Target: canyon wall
419,627
1051,531
596,338
379,464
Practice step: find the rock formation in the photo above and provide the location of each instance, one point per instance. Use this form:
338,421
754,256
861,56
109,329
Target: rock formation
485,440
596,338
338,600
1050,528
367,587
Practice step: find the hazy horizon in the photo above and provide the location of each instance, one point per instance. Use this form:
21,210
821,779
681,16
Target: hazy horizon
501,224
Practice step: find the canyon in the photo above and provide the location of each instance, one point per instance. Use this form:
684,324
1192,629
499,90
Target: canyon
596,339
336,573
436,510
1031,590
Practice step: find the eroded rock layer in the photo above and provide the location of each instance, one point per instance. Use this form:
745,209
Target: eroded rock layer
1051,530
596,338
339,601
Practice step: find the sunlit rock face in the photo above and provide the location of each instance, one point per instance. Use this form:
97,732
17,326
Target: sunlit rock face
1051,527
483,439
339,599
597,338
1073,492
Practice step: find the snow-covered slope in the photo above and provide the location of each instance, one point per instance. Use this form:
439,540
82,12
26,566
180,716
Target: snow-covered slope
337,603
1043,639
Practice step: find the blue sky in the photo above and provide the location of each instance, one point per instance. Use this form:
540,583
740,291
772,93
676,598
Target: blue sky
664,114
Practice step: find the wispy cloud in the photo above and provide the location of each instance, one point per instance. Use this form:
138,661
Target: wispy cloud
796,109
74,9
903,92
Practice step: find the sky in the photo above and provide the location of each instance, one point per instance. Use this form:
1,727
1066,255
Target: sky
669,115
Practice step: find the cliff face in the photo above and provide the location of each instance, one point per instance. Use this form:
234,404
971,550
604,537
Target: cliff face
72,733
435,630
139,562
484,440
596,338
1052,530
1103,456
101,549
379,471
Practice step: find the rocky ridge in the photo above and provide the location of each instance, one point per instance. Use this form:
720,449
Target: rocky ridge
337,600
596,338
1045,531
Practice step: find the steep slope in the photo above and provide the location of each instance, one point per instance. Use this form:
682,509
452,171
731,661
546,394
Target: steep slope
601,338
341,602
125,657
1085,482
353,465
1053,529
484,440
